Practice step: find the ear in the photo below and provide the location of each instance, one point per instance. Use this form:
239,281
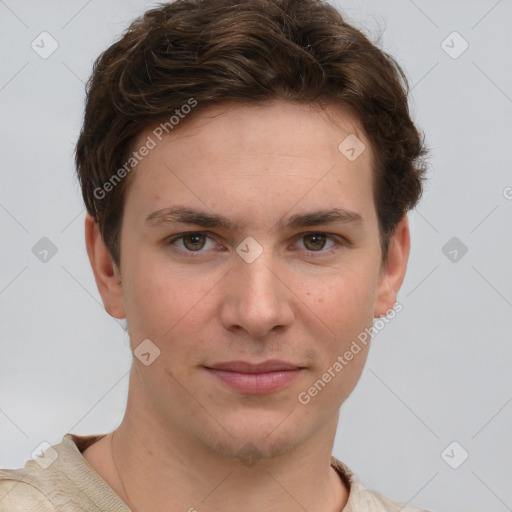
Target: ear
106,273
393,271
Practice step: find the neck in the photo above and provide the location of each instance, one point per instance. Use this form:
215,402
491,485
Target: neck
162,469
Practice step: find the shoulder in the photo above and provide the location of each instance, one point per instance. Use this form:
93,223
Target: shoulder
58,479
362,499
43,482
18,495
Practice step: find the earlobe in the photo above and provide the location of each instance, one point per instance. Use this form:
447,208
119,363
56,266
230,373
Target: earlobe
106,273
393,272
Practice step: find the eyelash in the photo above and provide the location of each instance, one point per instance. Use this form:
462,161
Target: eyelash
339,243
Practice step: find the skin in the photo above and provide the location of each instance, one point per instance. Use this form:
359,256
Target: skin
178,446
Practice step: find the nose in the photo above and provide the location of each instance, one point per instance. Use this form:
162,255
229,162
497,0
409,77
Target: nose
257,297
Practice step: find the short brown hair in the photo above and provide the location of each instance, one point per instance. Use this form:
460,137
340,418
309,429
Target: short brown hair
247,51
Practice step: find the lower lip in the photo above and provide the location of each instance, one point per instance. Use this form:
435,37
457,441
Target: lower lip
256,383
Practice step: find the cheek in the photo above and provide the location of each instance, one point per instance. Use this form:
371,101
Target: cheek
343,301
161,304
343,307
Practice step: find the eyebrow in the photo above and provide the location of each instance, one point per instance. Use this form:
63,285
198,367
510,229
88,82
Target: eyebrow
185,215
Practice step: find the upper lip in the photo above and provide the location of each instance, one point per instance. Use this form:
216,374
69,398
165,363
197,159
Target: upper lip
246,367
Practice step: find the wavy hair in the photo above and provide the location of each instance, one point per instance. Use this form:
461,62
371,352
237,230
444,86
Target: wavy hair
250,51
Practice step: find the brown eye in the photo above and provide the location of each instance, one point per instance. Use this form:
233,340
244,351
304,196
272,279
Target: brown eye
314,241
194,244
194,241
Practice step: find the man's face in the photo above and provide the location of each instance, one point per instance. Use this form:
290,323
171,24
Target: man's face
205,299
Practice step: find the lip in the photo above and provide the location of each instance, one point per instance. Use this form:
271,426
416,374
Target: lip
272,365
260,378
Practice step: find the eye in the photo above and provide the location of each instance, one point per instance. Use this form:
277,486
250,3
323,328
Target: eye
316,242
191,242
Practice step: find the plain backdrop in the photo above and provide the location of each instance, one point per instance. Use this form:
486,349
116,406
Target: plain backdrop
437,386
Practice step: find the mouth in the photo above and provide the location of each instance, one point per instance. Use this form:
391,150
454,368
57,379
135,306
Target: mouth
254,379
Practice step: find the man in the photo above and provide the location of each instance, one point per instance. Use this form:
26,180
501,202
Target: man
247,169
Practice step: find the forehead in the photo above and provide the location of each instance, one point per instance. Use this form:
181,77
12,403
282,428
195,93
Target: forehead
278,126
252,155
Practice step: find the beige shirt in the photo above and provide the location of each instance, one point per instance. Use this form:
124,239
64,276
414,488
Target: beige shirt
63,481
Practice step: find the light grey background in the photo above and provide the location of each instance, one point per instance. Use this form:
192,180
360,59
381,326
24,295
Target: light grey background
438,373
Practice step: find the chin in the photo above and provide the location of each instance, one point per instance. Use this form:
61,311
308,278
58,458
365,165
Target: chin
249,441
